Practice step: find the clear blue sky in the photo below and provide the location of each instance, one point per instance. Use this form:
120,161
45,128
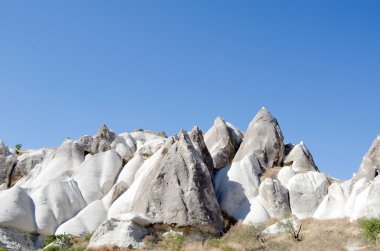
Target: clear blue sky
66,67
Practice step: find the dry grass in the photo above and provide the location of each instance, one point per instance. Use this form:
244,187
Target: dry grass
326,235
270,173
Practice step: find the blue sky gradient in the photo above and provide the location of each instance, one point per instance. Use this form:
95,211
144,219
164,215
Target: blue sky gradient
67,67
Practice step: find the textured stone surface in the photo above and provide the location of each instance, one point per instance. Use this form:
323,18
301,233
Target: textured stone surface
300,159
306,192
56,202
17,210
6,161
370,166
178,190
25,163
223,141
124,231
264,140
237,186
196,137
96,175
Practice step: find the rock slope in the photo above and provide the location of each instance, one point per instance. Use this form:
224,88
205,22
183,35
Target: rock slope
124,187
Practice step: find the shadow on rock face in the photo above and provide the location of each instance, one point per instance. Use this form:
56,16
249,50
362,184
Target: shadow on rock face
230,195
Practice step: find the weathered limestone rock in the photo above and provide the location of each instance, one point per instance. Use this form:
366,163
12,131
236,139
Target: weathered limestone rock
25,163
223,141
178,190
123,231
6,161
264,140
300,159
56,202
96,176
86,221
306,192
333,204
102,140
17,210
58,165
285,174
122,148
237,186
13,239
272,202
196,137
370,166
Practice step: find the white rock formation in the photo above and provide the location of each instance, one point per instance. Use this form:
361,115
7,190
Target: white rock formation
300,158
56,202
264,140
59,165
237,186
96,175
124,231
17,210
26,162
196,137
306,192
86,221
177,190
370,166
223,141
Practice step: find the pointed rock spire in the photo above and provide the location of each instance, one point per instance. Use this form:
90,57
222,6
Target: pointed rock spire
264,140
300,158
178,190
196,137
370,166
223,141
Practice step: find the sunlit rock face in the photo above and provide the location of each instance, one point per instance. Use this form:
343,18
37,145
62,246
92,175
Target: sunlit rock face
370,166
264,140
123,186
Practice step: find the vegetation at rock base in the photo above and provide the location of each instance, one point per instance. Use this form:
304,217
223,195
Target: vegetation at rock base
174,241
371,228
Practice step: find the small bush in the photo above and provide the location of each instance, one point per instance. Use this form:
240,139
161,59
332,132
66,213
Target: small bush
60,241
371,228
174,241
18,147
291,228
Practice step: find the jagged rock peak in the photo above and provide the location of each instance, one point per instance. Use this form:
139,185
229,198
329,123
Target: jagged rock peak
196,136
164,196
4,150
370,165
223,141
264,140
299,157
105,133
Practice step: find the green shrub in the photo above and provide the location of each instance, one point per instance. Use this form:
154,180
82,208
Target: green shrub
60,241
371,228
18,146
174,241
3,249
